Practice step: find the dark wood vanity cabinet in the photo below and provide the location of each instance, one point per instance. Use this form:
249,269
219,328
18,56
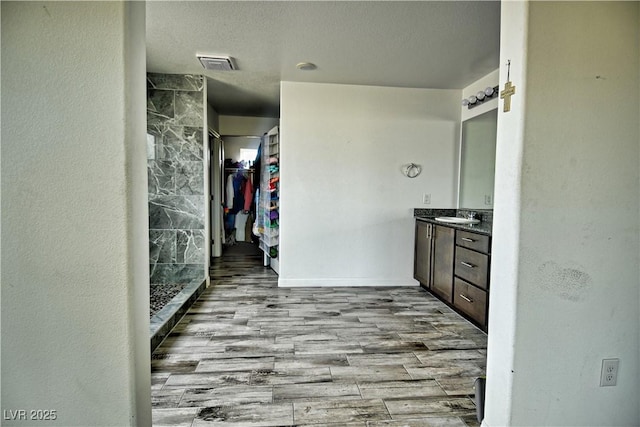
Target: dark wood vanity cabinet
471,301
434,256
471,284
454,265
442,263
423,253
473,267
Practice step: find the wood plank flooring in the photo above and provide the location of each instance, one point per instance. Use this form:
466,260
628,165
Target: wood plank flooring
251,354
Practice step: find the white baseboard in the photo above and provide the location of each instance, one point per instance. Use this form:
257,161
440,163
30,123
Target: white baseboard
308,283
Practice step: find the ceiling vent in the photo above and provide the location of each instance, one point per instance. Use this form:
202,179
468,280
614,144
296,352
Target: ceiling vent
217,63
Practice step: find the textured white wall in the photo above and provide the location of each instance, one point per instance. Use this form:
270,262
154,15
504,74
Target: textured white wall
75,331
346,208
573,299
506,219
137,208
206,159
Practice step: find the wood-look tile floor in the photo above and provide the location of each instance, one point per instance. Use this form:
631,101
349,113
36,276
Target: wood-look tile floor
248,353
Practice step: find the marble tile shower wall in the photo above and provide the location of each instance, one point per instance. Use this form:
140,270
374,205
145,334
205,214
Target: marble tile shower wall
175,120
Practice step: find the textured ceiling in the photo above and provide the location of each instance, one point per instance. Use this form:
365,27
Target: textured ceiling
421,44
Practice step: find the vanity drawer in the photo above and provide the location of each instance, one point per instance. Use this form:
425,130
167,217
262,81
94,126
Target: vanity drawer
470,300
472,267
477,242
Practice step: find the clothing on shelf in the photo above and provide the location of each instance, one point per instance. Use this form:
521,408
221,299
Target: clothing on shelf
241,222
248,194
230,192
238,201
239,180
229,221
248,233
239,188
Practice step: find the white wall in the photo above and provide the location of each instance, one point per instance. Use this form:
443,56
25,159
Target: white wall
346,208
246,126
506,220
75,295
211,120
569,215
135,123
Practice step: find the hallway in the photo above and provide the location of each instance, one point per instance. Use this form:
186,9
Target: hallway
251,354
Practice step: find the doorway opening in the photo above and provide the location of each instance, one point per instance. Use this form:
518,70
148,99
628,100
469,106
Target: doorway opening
245,196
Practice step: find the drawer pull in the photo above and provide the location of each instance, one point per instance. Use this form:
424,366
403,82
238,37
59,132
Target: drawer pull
466,239
466,264
467,299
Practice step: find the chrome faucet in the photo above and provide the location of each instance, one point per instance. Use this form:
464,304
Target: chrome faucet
472,215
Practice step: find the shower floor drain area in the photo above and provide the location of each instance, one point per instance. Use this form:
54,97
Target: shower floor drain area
161,294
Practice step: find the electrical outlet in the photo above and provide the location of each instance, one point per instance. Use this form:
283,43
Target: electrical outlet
426,199
487,199
609,374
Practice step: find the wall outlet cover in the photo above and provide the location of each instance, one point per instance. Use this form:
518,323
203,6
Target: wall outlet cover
609,373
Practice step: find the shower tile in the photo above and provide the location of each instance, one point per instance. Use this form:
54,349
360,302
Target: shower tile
161,103
161,177
172,273
182,143
189,178
162,246
190,246
189,108
175,81
176,212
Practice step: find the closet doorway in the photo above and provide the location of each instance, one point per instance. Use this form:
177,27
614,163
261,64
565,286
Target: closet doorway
233,201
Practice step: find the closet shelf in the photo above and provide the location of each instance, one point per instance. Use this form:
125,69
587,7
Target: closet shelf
268,213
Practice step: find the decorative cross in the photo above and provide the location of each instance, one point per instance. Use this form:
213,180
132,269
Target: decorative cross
509,90
506,94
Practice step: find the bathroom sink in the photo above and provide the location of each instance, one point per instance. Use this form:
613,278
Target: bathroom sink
457,220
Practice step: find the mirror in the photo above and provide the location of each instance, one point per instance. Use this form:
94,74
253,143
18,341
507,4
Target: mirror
478,161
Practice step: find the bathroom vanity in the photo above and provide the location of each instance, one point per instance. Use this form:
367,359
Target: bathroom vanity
452,256
453,261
